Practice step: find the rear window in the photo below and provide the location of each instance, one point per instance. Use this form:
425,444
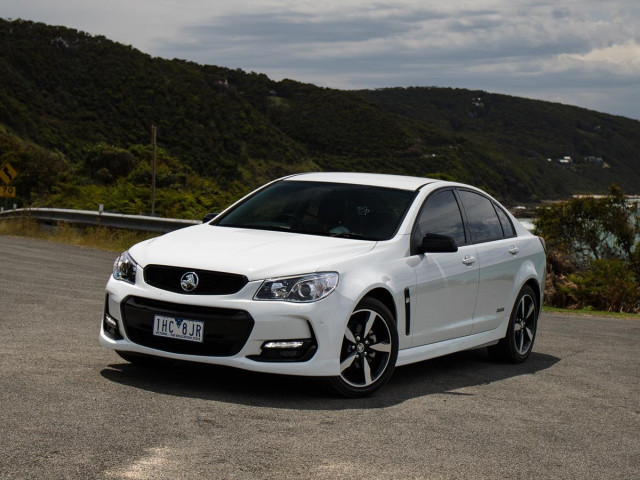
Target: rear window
484,224
507,227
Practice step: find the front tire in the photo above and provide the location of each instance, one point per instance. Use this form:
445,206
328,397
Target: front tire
517,344
369,350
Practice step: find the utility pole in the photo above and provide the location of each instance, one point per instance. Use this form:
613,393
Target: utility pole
153,175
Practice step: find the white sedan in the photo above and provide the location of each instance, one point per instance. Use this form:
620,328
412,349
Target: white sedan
338,275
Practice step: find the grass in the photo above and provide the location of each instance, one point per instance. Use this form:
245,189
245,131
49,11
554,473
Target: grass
589,312
101,238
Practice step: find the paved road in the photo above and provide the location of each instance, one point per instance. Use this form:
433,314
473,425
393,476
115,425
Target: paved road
70,409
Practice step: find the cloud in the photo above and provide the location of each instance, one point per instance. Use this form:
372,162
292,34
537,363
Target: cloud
410,33
536,48
623,59
284,28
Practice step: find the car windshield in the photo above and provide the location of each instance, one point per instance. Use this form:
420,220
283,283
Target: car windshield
315,208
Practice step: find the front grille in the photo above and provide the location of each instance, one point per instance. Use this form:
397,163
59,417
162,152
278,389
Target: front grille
210,283
225,330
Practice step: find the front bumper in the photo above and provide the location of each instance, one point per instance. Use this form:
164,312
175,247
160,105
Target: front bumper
238,326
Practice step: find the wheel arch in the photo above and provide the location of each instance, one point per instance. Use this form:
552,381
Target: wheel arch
532,273
386,298
535,286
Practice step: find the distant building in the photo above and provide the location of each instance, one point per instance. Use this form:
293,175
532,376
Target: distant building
595,160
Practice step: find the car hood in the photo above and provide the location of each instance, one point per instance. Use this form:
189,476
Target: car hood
257,254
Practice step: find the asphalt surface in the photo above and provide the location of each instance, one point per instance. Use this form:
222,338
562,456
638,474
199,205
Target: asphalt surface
71,409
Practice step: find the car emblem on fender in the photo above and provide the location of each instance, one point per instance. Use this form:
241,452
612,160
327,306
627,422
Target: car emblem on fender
189,281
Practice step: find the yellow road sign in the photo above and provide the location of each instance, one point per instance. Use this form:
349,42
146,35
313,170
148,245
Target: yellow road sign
8,192
8,173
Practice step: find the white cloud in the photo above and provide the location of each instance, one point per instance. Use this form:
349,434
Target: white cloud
623,59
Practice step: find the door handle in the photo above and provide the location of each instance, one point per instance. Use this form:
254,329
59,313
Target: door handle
513,250
469,260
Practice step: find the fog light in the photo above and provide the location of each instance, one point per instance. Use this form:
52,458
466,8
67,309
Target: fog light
110,324
299,350
284,345
110,321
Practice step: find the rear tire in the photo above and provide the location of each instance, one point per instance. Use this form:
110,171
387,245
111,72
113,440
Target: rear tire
517,344
369,350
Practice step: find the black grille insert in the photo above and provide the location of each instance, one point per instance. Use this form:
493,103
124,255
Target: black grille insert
225,330
210,283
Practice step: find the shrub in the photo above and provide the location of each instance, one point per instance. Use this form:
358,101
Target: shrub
593,255
608,285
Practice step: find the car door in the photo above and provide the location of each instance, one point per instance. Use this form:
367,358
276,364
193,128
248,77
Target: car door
497,251
447,283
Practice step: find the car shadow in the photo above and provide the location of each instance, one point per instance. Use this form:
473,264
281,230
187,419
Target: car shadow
444,375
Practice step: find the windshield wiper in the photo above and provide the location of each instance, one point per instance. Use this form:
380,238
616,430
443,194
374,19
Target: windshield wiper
274,227
347,235
280,228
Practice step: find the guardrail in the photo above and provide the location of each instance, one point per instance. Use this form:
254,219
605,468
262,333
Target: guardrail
97,218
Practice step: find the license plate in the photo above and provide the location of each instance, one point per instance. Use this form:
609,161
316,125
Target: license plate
180,328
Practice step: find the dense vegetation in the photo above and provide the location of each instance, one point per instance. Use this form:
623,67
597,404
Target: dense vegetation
594,252
523,129
76,112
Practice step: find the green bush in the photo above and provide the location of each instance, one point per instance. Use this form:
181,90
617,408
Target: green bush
593,255
608,285
588,228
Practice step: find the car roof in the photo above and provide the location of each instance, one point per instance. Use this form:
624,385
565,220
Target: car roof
373,179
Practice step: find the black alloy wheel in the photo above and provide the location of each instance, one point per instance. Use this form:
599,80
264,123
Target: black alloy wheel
369,350
517,345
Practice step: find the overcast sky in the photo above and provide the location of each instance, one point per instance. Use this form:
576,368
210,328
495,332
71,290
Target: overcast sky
578,52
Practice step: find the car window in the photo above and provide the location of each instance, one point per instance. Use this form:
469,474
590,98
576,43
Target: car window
483,221
507,226
440,215
318,208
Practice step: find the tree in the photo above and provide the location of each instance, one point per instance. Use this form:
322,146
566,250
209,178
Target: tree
588,228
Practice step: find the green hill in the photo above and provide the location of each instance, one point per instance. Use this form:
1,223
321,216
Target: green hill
76,112
530,129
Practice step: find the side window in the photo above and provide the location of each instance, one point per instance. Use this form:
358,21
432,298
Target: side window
484,224
441,215
507,226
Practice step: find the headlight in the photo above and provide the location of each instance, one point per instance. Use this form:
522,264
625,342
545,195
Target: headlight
303,288
124,268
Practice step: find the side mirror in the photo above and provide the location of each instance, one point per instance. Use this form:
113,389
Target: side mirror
435,243
208,217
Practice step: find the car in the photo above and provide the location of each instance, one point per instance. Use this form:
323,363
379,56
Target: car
336,275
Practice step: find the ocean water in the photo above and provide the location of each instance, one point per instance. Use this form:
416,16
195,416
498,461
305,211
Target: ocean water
527,223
